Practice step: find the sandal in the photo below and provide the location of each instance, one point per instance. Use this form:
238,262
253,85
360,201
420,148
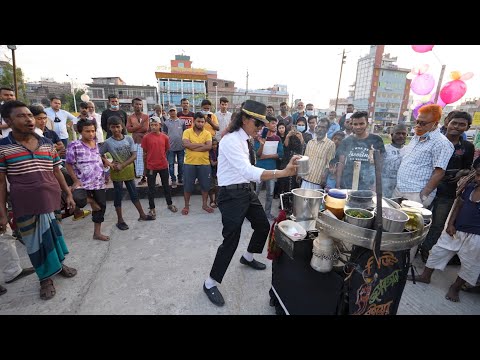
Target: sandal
85,214
122,226
68,272
47,290
185,211
172,208
146,218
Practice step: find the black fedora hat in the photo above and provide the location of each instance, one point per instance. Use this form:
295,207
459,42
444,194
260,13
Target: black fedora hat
256,110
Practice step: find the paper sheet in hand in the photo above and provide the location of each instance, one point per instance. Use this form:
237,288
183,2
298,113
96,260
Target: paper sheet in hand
270,147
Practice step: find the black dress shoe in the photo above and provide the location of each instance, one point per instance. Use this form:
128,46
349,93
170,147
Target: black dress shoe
257,265
214,295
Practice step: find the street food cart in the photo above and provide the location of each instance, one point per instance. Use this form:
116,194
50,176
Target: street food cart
368,269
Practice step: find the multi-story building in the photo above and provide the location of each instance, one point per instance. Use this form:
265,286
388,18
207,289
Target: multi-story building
381,87
271,96
195,84
41,92
182,81
101,87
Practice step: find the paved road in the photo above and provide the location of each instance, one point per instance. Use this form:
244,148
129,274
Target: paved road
158,267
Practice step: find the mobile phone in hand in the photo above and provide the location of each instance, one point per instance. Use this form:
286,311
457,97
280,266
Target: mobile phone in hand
264,133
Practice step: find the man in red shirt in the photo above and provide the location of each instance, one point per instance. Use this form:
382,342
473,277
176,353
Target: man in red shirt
155,146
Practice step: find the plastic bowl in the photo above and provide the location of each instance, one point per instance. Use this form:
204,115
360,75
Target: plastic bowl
361,222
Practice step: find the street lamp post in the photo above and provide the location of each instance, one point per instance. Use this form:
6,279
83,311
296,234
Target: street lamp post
13,48
73,93
216,95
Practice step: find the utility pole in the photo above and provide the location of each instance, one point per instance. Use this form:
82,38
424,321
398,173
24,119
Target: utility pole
437,92
340,78
246,89
13,48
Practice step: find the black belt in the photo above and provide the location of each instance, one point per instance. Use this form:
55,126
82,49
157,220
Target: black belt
237,186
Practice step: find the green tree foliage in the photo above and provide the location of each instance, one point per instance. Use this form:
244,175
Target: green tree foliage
6,79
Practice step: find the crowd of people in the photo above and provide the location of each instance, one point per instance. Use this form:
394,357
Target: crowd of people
230,157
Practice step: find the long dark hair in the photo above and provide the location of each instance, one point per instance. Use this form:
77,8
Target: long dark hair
237,122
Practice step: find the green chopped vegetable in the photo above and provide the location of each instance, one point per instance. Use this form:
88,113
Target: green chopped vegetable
358,214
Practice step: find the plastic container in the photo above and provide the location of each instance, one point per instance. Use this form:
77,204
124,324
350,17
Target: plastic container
335,202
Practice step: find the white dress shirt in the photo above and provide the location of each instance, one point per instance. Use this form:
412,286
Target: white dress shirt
60,127
223,121
234,160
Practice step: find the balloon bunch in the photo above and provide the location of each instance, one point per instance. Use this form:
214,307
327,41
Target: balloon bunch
423,83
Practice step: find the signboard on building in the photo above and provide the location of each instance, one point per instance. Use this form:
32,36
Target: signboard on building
476,119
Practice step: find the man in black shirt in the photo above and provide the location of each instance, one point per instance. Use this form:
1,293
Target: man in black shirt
458,166
113,110
358,148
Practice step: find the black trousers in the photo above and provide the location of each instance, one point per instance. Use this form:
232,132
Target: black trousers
100,197
235,206
151,180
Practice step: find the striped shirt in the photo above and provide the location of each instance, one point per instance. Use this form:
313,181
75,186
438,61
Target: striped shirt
420,160
320,153
34,189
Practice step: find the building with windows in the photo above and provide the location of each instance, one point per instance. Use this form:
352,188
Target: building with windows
381,87
41,92
271,96
101,87
182,81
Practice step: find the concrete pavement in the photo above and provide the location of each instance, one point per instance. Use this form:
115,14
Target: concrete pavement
158,267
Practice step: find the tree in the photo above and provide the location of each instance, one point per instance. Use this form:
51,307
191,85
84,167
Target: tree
6,79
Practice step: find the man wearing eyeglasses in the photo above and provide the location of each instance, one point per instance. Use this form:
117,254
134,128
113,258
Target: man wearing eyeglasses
425,158
237,200
59,118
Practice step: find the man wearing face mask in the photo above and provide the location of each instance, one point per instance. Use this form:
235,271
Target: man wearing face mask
114,110
427,156
211,121
319,151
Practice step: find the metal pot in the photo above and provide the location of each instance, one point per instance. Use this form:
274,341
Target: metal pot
306,203
362,222
393,220
361,199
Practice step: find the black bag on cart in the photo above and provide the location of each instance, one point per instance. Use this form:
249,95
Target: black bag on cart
375,286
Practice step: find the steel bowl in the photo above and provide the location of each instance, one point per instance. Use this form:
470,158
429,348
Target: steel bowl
364,223
393,220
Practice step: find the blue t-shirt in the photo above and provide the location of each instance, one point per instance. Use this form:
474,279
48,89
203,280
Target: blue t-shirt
468,219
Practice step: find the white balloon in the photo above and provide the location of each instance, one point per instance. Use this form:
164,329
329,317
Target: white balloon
85,97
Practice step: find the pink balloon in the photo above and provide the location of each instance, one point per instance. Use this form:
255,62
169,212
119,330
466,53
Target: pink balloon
422,48
453,91
415,111
422,84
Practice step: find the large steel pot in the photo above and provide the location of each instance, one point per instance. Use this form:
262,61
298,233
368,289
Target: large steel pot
306,203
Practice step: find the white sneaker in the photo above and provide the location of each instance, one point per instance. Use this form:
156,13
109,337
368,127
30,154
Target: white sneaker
174,184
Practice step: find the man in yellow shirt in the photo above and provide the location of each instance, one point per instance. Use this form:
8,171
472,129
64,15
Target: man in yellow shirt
211,121
197,143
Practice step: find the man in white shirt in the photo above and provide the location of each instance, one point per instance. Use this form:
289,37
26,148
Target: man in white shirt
59,118
6,94
223,117
98,118
237,200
